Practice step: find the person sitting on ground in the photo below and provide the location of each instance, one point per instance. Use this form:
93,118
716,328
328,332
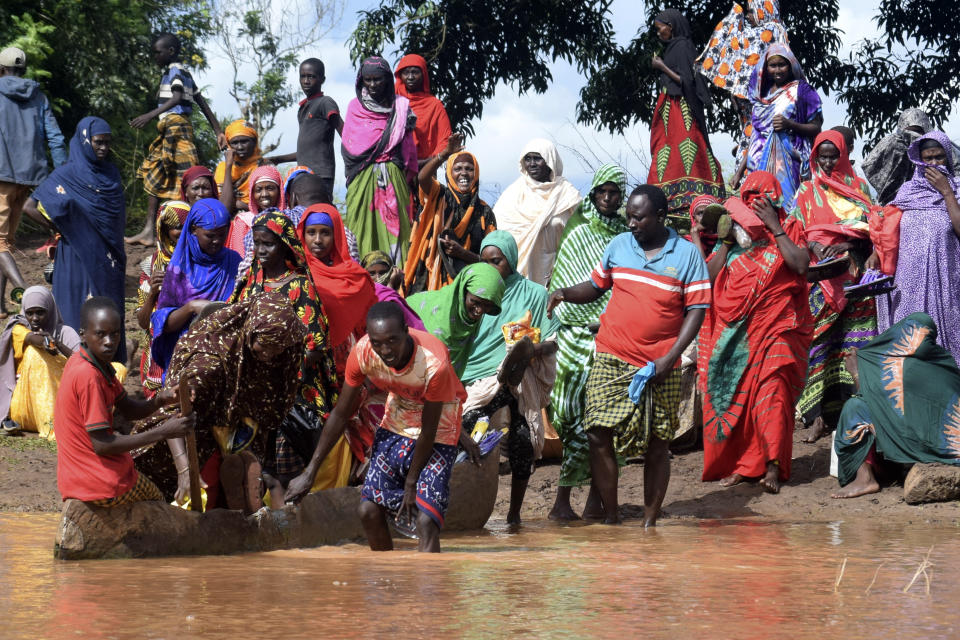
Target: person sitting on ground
754,344
173,151
416,442
266,194
170,222
279,265
906,409
27,125
536,207
834,210
83,201
660,293
93,459
380,160
233,173
452,224
511,390
386,280
343,285
319,118
597,221
242,363
34,348
453,313
201,271
928,262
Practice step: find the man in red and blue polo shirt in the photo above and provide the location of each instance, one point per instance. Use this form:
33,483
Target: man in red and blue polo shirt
661,290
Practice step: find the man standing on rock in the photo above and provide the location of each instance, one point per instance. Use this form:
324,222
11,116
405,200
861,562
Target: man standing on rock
26,126
416,445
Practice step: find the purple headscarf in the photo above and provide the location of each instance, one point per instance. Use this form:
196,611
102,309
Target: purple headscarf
192,275
918,193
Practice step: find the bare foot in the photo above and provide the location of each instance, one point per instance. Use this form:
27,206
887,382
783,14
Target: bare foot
562,512
855,490
143,238
798,422
771,479
865,483
231,479
593,510
817,430
732,480
513,518
613,520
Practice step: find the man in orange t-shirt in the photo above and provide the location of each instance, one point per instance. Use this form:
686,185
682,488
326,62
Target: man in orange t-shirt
416,444
93,461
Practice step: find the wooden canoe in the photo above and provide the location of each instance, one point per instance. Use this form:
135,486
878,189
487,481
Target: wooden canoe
147,529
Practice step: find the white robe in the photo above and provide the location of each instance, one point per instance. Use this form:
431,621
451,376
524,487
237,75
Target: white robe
536,213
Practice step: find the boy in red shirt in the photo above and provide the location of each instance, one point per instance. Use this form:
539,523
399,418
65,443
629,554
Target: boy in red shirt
93,461
416,444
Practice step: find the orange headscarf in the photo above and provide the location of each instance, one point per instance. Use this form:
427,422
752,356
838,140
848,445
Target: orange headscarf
345,288
433,125
241,168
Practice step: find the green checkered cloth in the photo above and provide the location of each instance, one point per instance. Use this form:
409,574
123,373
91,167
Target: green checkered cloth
609,407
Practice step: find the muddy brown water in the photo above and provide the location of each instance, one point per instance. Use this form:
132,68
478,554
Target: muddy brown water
743,579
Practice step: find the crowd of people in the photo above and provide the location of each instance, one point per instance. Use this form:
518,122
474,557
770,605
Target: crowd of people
322,349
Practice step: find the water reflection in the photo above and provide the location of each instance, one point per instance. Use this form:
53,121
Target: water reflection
745,579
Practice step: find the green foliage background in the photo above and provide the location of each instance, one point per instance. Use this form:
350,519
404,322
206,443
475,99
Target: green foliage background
92,57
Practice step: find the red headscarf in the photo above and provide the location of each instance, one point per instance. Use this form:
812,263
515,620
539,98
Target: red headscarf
699,202
345,288
835,180
192,174
433,125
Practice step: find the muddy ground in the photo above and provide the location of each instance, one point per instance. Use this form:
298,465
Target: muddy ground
28,468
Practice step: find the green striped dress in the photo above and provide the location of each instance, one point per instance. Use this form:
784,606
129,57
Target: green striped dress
587,235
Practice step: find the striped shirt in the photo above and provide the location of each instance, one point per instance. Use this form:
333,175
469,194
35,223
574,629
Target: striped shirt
177,76
650,297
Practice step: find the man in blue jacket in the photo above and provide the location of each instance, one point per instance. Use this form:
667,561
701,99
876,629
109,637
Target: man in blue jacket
26,123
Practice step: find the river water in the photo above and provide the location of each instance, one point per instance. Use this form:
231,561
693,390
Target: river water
742,579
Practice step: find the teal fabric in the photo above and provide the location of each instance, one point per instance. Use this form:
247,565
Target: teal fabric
489,348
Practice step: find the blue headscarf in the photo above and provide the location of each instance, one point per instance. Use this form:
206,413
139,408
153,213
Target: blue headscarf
193,275
84,200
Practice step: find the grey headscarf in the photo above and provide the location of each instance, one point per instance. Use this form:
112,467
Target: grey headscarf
887,166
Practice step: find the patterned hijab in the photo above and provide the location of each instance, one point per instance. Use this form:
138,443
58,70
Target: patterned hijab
173,213
263,391
759,84
444,313
283,228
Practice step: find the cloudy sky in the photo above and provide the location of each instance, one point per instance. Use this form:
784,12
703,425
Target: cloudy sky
509,120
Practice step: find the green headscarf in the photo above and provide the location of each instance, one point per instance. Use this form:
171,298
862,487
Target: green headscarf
521,295
445,315
587,211
584,240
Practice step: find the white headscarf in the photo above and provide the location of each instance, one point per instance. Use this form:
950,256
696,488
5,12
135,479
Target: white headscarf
535,213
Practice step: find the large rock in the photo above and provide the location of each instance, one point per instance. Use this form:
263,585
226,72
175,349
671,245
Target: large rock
145,529
932,482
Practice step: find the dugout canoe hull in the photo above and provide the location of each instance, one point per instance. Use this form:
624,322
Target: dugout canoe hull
151,529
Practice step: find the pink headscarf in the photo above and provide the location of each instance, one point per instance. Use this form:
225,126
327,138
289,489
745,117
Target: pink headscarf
266,173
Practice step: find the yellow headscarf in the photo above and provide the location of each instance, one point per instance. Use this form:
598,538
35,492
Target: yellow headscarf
241,168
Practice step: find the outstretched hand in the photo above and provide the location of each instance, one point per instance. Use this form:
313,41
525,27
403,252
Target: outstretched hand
140,121
454,145
298,487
